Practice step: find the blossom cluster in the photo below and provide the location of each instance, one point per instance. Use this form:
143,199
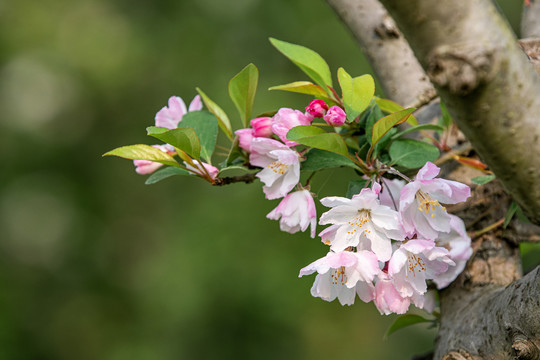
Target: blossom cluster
385,243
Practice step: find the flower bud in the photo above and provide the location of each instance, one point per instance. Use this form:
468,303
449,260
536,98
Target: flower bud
244,138
317,108
335,116
262,127
284,120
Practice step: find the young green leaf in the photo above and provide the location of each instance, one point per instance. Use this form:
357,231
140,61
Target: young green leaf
355,186
303,87
412,154
356,92
446,118
418,128
206,127
404,321
183,138
307,60
382,126
388,106
165,173
143,152
242,89
510,213
318,138
484,179
223,120
320,159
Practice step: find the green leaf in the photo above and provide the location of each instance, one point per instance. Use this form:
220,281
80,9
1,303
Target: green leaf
484,179
303,87
318,138
375,113
206,127
356,92
510,213
165,173
242,89
418,128
143,152
183,138
382,126
320,159
235,169
223,120
404,321
307,60
355,186
388,106
412,154
446,118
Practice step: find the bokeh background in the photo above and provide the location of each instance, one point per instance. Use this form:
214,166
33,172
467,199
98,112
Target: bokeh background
96,265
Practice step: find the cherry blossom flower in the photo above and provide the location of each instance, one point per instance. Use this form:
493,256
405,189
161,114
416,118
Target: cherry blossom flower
198,169
458,243
363,222
335,116
317,108
414,262
281,166
420,202
285,119
297,211
387,298
169,117
343,275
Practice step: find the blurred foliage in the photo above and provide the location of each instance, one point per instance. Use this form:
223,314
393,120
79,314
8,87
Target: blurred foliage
96,265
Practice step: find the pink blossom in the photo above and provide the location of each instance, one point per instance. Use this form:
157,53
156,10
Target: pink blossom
145,167
459,245
387,298
362,222
414,262
284,120
343,275
262,127
420,202
244,138
335,116
317,108
198,169
297,211
281,166
169,117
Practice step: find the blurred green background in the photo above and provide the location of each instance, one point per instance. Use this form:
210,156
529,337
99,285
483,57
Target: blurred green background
96,265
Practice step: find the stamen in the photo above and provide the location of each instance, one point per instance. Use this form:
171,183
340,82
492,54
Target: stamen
278,167
427,204
414,265
339,276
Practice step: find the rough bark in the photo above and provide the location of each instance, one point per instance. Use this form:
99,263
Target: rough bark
530,19
481,74
402,78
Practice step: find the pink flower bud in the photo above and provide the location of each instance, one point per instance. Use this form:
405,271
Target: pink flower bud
317,108
284,120
244,138
335,116
262,127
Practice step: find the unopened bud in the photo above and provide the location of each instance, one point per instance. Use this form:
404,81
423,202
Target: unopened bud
262,127
335,116
317,108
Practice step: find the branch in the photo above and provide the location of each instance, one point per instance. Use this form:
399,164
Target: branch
491,322
246,178
493,93
402,78
530,19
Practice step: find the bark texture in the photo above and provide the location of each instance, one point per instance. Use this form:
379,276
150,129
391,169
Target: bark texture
402,78
530,19
487,83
